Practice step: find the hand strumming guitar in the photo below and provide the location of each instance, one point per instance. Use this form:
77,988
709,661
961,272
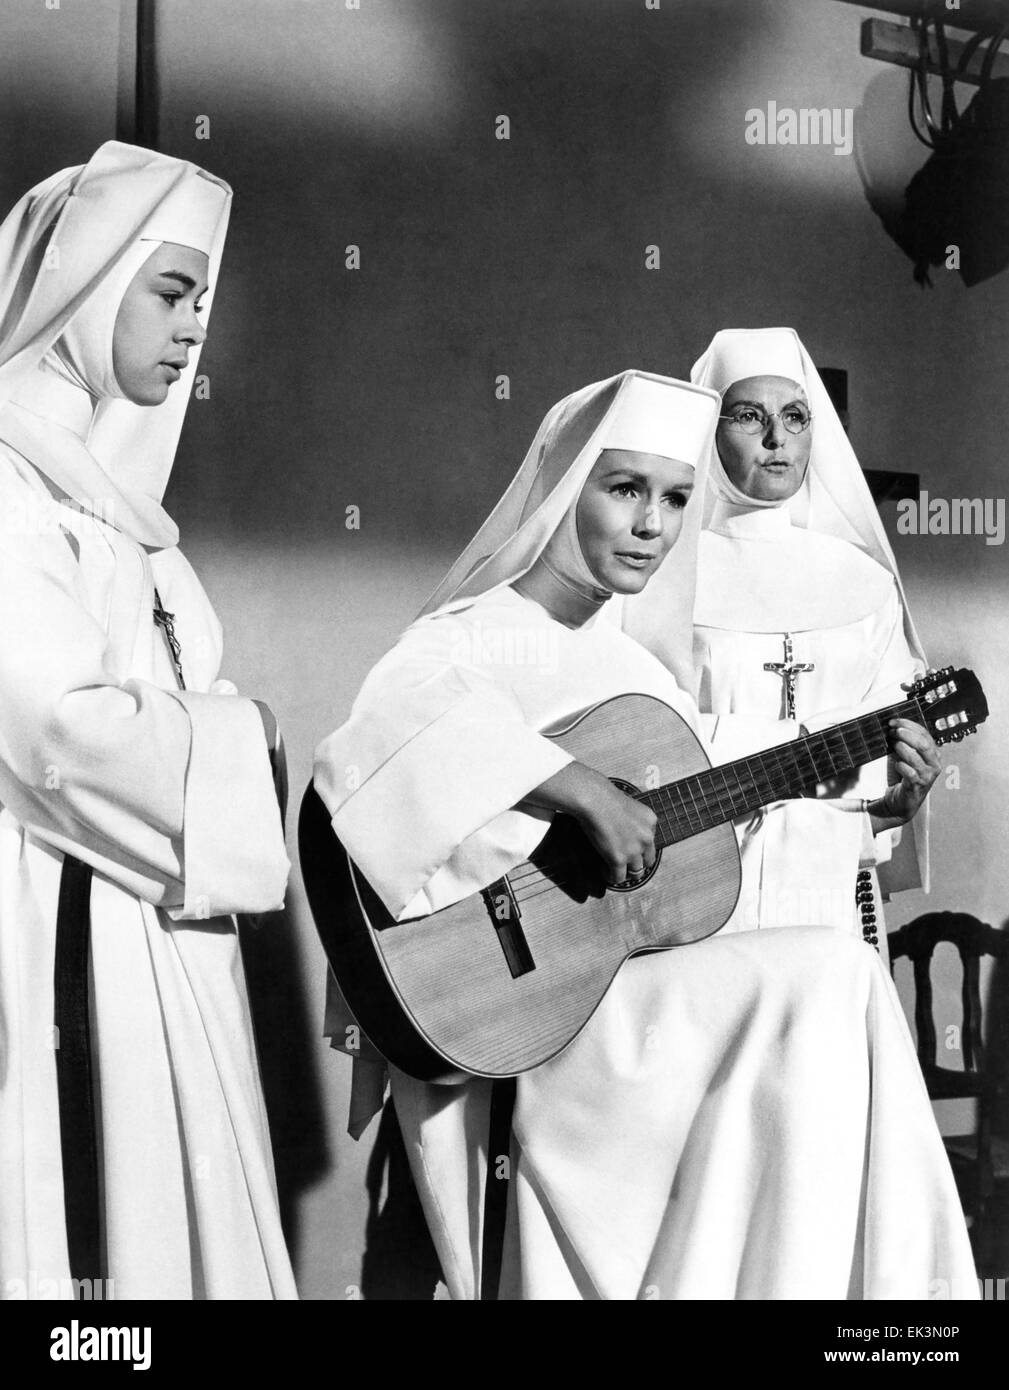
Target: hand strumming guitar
619,828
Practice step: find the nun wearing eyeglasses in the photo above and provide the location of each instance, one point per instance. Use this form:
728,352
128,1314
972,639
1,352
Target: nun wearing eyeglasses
800,619
137,802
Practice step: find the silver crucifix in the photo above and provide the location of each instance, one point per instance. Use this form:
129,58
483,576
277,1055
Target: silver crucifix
788,670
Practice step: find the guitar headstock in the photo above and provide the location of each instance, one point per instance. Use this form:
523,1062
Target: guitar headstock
952,703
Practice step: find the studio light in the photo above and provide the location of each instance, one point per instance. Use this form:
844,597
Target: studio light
956,208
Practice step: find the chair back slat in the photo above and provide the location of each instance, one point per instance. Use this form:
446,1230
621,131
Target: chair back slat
924,1022
973,939
973,1049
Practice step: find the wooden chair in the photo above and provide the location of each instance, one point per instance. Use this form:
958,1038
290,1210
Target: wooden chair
973,939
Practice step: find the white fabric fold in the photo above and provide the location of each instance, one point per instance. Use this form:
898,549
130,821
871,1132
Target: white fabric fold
230,865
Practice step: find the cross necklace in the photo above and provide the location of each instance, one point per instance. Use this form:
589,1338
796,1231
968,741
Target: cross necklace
166,621
788,670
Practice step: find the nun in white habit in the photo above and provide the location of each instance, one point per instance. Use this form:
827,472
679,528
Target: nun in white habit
164,794
741,1118
795,569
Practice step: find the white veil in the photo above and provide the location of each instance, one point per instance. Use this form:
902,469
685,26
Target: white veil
68,242
634,410
834,499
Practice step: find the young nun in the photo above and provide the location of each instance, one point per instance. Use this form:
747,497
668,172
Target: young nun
138,801
795,569
741,1118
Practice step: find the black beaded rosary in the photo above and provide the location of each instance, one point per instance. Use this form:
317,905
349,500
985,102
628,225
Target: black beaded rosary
865,899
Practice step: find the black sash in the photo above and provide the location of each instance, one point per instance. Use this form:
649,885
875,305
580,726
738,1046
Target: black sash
78,1136
495,1200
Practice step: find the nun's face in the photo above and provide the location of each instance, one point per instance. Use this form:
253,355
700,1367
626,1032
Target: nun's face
158,323
629,514
771,464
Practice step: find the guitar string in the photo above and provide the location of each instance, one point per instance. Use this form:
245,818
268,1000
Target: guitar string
725,800
675,823
843,758
680,816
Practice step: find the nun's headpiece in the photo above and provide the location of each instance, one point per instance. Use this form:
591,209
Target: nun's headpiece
633,411
834,498
68,251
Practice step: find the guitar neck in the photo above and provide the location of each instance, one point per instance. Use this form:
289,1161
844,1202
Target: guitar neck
719,794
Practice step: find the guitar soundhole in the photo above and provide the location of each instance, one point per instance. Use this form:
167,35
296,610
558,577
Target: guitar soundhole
631,790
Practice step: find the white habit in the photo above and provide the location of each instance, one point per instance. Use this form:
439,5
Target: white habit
741,1118
167,793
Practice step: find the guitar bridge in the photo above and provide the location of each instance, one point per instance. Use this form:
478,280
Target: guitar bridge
506,919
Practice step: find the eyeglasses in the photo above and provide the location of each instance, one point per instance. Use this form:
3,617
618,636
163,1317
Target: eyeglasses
750,419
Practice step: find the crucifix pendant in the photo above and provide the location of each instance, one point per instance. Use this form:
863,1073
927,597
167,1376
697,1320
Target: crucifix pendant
788,670
166,621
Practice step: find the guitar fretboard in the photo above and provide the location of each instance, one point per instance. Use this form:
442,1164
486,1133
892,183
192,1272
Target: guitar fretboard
719,794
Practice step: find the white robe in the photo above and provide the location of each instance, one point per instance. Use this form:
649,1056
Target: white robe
169,796
758,578
743,1117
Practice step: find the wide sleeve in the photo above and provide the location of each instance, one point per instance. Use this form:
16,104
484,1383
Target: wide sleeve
234,858
168,794
424,777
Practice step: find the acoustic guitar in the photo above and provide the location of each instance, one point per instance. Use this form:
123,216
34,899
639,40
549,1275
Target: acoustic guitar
504,980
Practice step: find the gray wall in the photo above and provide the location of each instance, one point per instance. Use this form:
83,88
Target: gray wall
376,387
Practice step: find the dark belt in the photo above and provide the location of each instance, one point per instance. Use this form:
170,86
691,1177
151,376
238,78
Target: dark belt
495,1200
78,1136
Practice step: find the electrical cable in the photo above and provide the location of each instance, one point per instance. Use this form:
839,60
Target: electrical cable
950,114
919,84
992,54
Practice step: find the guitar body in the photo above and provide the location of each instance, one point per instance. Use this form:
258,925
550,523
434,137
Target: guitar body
506,979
